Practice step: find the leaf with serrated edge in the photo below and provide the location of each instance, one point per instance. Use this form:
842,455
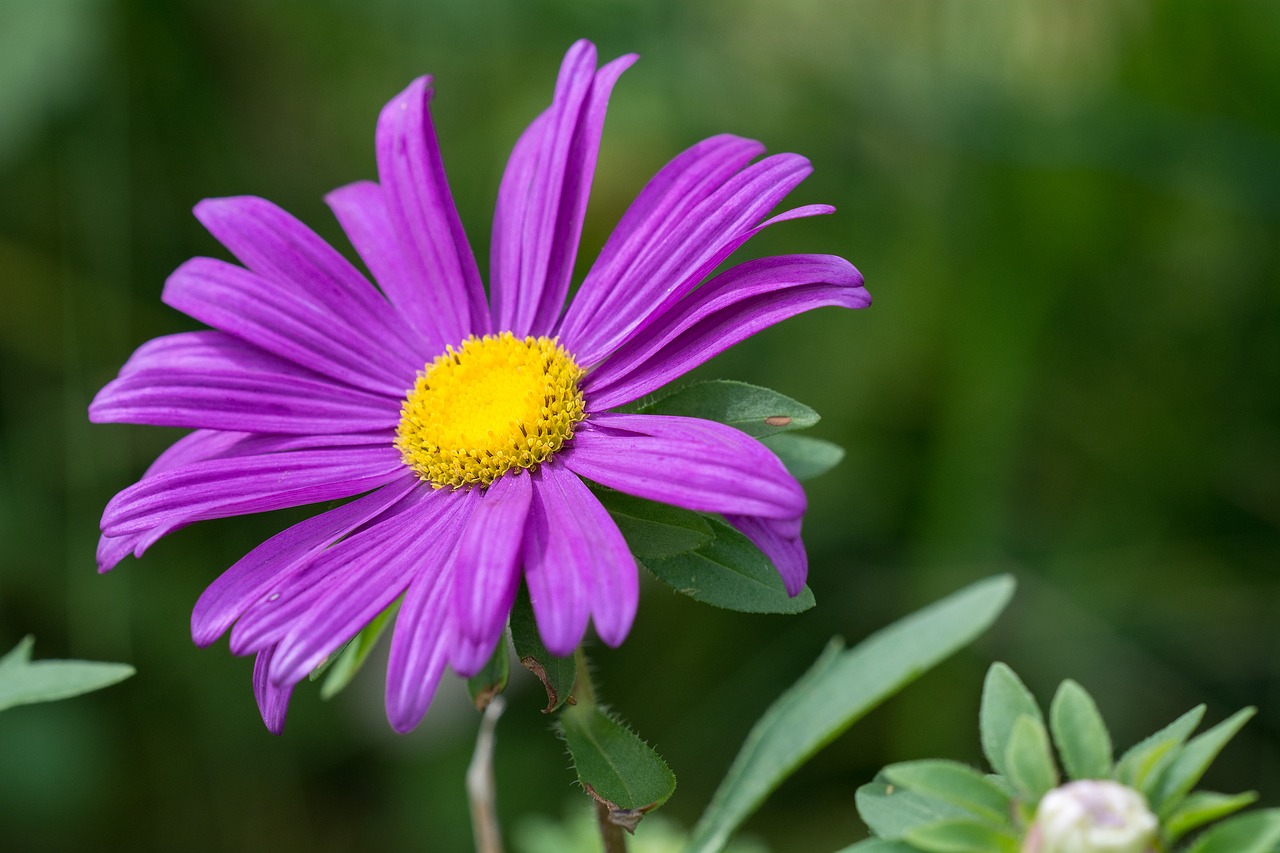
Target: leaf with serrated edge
961,836
839,689
355,653
24,682
1203,807
1004,699
557,674
614,765
1142,763
1084,745
1194,759
754,410
952,782
889,811
730,572
1028,760
804,456
654,530
1256,832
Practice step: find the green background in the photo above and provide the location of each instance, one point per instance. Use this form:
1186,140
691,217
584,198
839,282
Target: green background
1066,211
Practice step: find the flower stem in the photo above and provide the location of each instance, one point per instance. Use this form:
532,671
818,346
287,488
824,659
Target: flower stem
584,695
480,787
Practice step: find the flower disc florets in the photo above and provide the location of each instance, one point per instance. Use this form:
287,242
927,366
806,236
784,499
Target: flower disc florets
495,403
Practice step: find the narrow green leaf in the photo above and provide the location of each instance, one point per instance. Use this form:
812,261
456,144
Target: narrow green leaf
806,457
355,653
557,674
491,680
754,410
730,572
1084,744
655,530
1256,832
961,836
839,689
1194,759
953,782
1004,699
1028,758
890,811
615,766
1143,763
1203,807
23,682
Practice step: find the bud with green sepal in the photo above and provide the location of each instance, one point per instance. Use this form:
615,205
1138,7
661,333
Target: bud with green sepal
1056,787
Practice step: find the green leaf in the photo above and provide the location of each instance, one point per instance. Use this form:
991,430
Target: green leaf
805,457
491,680
1082,738
1142,764
890,811
557,674
353,655
1200,808
1004,699
615,766
654,530
839,689
1028,758
730,572
1194,759
954,783
754,410
23,682
1256,832
961,836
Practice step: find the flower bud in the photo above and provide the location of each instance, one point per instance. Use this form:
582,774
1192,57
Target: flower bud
1092,816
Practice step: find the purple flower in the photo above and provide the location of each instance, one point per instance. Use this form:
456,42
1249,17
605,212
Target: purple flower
464,427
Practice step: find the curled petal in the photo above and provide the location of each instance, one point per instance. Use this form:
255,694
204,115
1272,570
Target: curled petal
730,308
444,293
688,462
781,543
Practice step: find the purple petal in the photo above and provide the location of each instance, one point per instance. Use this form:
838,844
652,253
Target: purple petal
576,564
273,699
288,323
543,198
728,309
688,462
419,648
211,380
486,573
218,488
251,578
361,209
279,248
444,292
358,581
781,544
671,257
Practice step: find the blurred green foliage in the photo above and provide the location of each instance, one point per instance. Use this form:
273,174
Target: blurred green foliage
1068,212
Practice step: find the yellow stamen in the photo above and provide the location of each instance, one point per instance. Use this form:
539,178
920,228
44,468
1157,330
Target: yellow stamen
493,404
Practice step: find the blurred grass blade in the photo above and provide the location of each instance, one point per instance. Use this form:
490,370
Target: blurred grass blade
840,688
23,681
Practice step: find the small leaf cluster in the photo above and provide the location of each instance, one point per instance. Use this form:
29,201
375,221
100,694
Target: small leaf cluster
936,806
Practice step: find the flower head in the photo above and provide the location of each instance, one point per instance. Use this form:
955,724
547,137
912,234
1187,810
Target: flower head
1092,816
464,427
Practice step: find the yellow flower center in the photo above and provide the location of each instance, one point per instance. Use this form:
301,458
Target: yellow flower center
495,403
